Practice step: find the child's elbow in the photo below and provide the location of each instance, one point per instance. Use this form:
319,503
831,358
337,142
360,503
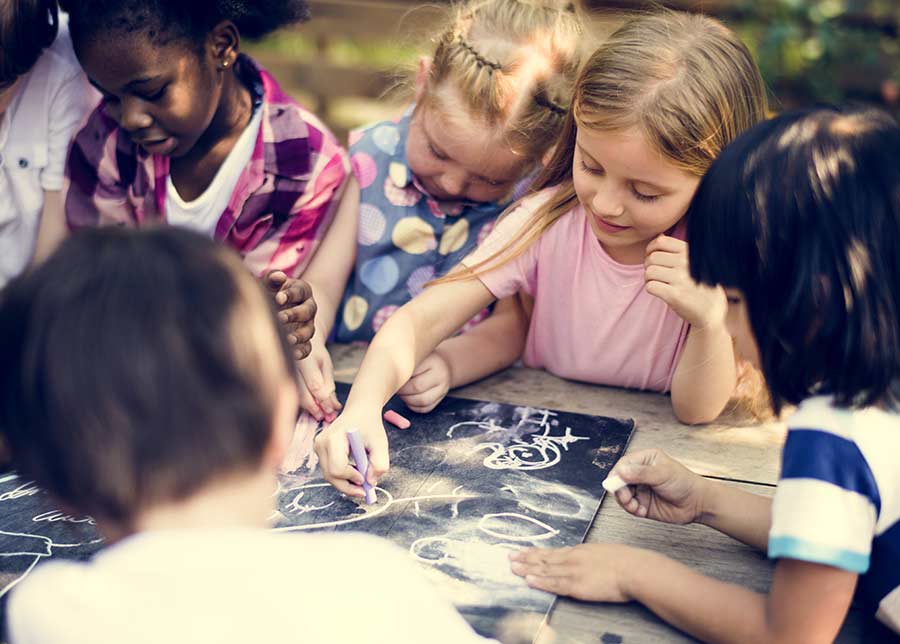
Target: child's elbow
692,414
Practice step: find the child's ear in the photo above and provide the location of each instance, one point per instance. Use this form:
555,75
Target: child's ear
225,44
283,424
422,72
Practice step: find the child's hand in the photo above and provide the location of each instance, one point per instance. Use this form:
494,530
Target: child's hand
668,277
660,488
317,395
296,310
428,385
333,450
596,572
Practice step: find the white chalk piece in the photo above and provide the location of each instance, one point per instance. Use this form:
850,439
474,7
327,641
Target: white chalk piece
613,484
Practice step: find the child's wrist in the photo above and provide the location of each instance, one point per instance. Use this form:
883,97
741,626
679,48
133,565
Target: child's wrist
710,502
635,571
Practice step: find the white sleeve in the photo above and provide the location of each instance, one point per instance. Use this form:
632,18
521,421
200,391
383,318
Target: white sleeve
70,103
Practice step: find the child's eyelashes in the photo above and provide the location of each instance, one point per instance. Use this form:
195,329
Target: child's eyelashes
597,172
155,96
436,153
640,196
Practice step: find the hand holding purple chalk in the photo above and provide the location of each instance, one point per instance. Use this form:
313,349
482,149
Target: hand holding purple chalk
333,448
358,449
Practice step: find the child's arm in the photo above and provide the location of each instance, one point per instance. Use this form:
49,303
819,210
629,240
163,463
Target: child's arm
70,104
490,346
328,273
806,603
52,229
660,488
408,336
705,376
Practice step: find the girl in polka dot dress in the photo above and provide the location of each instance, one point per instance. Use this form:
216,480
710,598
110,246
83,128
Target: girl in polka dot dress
597,254
489,104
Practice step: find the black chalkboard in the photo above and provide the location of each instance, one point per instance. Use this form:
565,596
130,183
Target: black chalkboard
468,482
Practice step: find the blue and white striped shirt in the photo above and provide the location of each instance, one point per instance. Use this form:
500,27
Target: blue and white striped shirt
838,499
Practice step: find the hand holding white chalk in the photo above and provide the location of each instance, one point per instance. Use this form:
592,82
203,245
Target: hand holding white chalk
613,484
652,485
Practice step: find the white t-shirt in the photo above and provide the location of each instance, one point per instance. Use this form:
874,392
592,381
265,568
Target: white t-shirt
51,101
203,213
838,498
238,586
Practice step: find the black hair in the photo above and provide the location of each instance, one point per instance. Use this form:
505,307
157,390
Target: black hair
183,20
127,377
801,213
27,27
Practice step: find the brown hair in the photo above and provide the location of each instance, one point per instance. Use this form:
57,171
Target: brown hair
685,80
27,27
115,402
514,62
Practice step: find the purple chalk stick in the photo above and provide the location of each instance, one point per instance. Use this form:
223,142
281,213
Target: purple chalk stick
362,462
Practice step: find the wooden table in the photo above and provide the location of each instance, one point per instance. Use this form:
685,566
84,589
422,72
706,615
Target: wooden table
739,454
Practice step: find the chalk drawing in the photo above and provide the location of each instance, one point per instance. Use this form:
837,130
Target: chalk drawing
508,521
539,452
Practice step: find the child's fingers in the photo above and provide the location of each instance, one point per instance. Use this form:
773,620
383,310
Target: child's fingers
332,404
667,244
422,403
662,290
332,448
309,404
542,559
663,258
296,292
274,280
664,274
379,459
298,313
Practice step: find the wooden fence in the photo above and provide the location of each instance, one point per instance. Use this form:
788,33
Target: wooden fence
348,95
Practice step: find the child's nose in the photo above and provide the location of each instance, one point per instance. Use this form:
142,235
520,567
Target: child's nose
454,182
607,202
134,117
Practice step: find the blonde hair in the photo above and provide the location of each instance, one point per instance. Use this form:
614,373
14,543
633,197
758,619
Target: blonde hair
514,63
686,81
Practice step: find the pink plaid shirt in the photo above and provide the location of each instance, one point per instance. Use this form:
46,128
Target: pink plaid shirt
282,204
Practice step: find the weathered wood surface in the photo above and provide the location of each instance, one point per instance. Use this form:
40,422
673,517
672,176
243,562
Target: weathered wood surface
738,453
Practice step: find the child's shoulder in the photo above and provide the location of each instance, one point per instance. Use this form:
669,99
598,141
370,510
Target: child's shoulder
381,138
821,414
286,118
523,211
59,58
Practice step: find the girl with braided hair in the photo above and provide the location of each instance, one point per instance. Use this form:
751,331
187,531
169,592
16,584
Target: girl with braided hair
193,133
490,102
598,252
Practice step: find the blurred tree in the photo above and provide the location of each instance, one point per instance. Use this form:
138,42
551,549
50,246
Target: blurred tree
825,50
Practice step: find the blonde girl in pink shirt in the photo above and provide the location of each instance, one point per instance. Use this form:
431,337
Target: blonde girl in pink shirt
596,253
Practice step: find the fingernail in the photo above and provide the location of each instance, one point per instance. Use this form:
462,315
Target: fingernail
292,339
281,298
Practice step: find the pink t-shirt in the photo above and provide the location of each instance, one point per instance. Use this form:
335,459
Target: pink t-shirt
592,318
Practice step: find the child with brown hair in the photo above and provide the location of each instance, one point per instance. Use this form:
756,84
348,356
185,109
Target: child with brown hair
599,250
159,401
